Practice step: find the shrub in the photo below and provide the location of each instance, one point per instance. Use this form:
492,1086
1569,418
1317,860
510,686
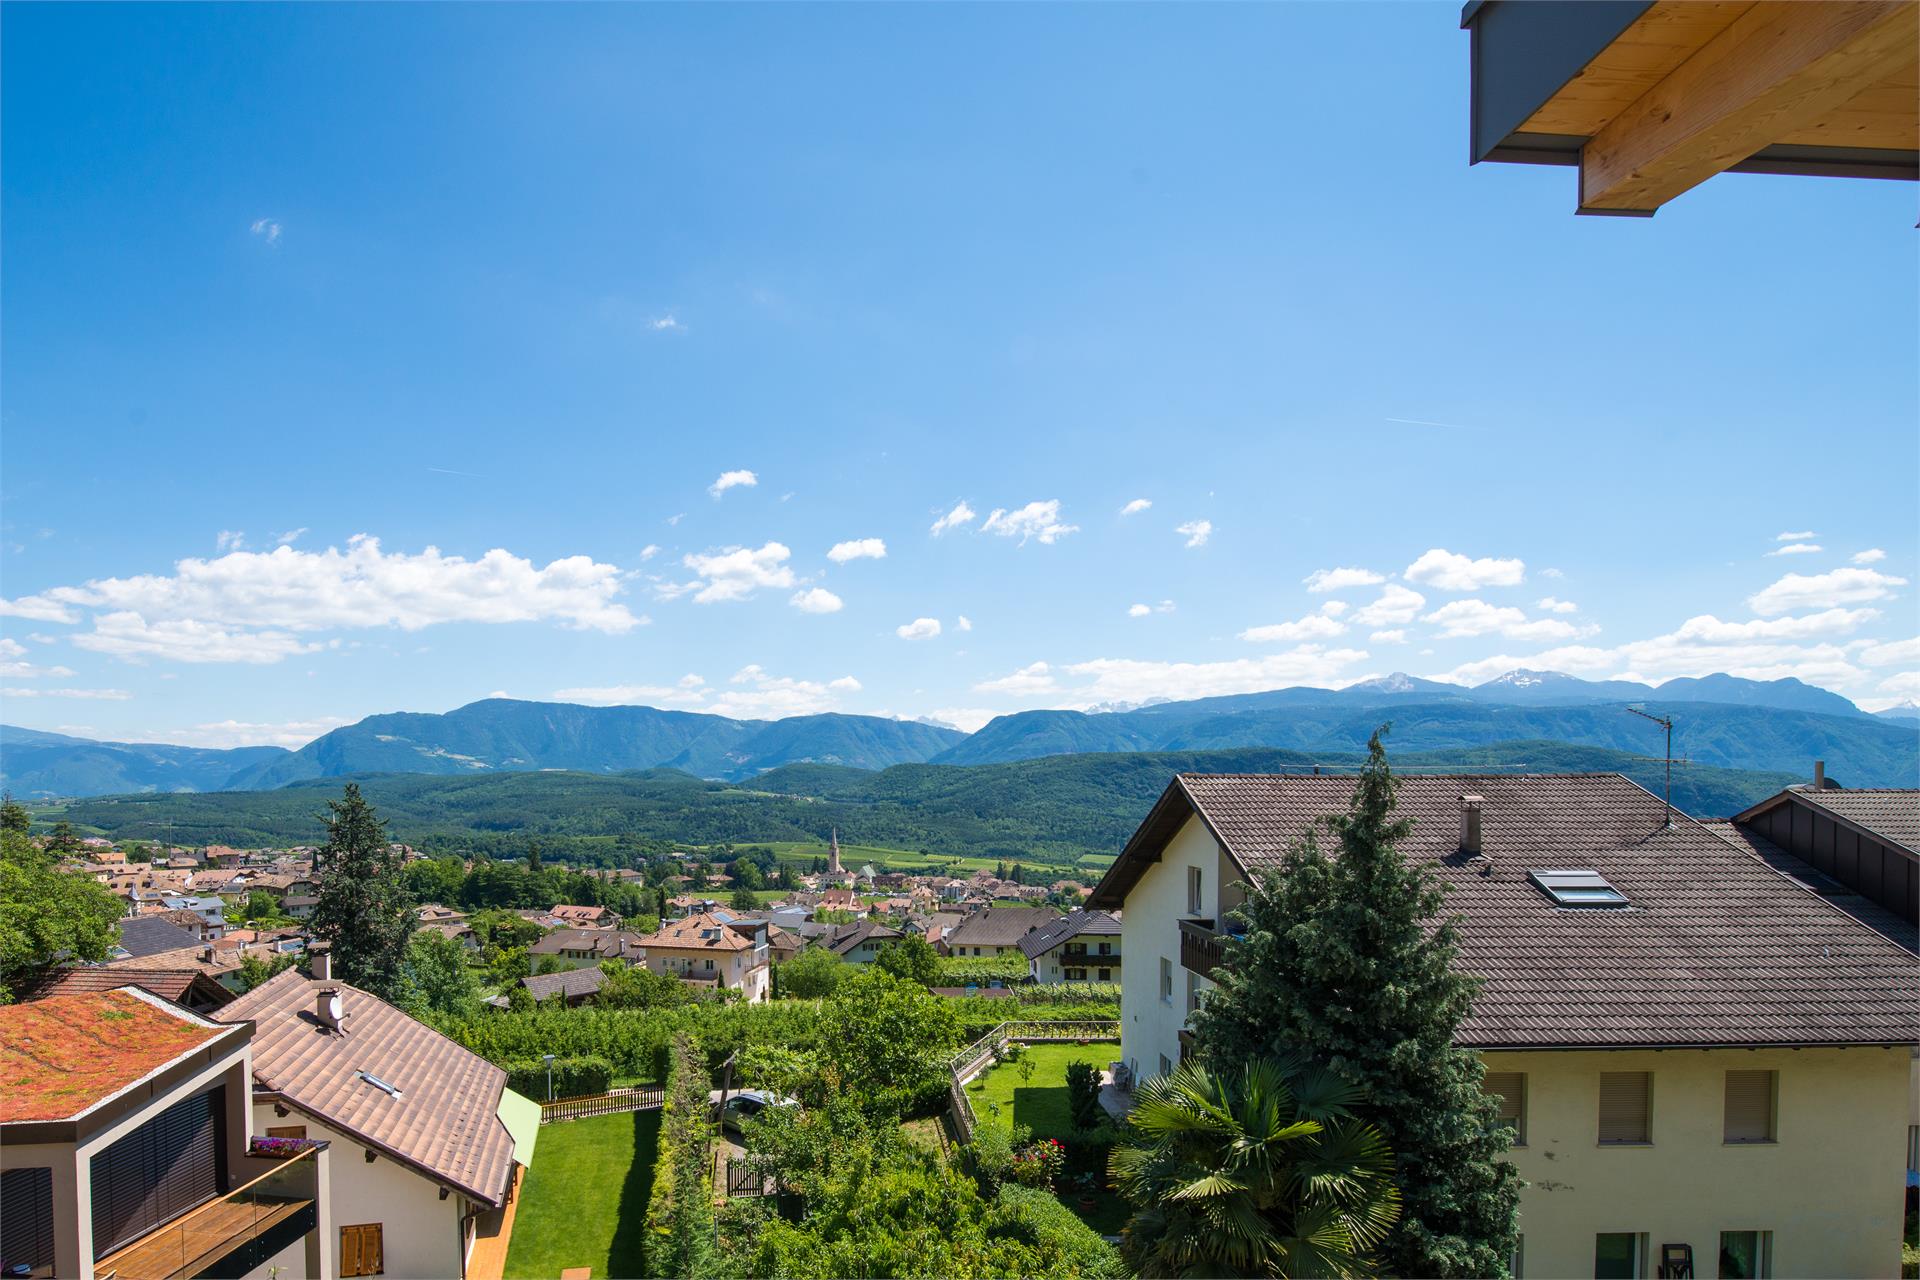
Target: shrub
1036,1219
1083,1095
573,1077
680,1236
1039,1164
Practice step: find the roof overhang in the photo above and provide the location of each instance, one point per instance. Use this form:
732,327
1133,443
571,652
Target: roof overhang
1162,823
493,1200
1792,795
1650,98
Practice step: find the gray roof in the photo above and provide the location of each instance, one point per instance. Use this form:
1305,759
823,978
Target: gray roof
999,926
1074,924
1849,900
849,936
1716,947
151,935
1889,813
568,984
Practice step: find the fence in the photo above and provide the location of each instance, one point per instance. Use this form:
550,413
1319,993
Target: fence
646,1097
746,1180
973,1059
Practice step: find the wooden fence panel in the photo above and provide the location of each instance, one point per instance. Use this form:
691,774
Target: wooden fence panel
612,1103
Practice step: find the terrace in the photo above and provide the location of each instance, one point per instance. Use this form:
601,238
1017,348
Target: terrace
230,1234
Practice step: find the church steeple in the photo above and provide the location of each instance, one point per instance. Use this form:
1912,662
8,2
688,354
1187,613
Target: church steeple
833,853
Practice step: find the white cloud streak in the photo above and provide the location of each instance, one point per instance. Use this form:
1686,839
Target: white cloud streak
858,549
1037,521
1823,591
732,480
918,629
1450,571
958,518
1196,532
1323,580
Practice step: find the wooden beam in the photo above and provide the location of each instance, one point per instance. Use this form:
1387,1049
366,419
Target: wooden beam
1778,68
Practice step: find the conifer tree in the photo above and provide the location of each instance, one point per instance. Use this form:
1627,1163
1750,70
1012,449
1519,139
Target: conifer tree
362,903
1346,959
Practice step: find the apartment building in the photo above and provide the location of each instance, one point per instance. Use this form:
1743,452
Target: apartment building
1081,946
706,950
1700,1054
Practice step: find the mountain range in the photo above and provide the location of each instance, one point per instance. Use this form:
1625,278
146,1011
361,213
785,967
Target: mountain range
1720,721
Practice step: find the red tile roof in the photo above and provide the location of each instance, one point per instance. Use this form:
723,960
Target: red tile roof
701,932
1715,947
62,1055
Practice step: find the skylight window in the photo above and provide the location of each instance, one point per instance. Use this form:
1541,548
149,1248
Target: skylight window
1578,888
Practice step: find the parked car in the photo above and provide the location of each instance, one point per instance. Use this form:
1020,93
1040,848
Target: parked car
748,1103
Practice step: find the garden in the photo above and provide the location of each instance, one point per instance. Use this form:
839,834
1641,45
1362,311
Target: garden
1025,1105
584,1200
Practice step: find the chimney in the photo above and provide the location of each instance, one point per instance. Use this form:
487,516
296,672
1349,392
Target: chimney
1470,825
1819,775
329,1008
320,961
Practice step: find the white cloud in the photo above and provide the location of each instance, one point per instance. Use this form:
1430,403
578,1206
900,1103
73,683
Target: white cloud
101,695
1395,605
229,540
1891,653
1872,555
1334,608
1478,618
1340,579
689,690
1029,680
14,667
245,605
1796,549
676,518
963,623
1196,532
1450,571
1139,610
1394,636
756,695
859,549
1312,627
290,537
129,636
965,719
267,229
37,609
961,515
1135,507
1823,591
816,600
1710,629
241,733
735,573
1039,521
649,551
1552,573
1801,536
732,480
918,629
1550,605
1136,680
668,323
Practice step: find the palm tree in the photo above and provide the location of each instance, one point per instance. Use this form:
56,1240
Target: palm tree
1264,1173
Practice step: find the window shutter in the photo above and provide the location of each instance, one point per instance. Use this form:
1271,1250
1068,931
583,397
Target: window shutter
1623,1106
1749,1106
349,1251
371,1252
1510,1088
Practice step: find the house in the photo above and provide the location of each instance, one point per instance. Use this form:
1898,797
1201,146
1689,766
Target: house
704,949
1857,847
459,931
188,921
1649,100
578,947
1081,946
586,917
187,987
299,906
427,1140
142,936
211,910
433,913
783,944
1692,1047
125,1134
995,931
569,986
860,942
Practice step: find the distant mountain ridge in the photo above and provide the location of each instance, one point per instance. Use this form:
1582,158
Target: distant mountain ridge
1721,720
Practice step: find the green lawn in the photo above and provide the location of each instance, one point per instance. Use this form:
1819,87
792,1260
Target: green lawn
584,1201
1040,1102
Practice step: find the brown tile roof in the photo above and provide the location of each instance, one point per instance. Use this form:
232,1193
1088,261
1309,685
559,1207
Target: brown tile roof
62,1055
999,926
170,984
445,1121
702,931
607,943
1075,924
1891,814
1860,907
1716,947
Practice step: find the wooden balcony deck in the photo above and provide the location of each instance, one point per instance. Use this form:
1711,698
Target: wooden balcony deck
196,1240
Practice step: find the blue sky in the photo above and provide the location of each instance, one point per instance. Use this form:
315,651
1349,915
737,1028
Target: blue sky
363,359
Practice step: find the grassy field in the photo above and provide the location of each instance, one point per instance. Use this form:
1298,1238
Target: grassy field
584,1202
801,853
1040,1101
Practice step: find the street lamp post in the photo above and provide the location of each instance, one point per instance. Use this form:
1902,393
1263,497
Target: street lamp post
548,1059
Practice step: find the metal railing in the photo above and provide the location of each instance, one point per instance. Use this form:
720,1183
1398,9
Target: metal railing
263,1216
970,1061
646,1097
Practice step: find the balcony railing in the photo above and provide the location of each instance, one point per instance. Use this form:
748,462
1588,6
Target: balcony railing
1201,949
1084,955
257,1220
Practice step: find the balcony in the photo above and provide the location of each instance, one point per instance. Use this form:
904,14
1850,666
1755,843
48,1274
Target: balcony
1081,954
230,1235
1202,950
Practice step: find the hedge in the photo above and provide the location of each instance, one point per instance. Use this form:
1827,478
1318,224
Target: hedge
1034,1217
680,1227
573,1077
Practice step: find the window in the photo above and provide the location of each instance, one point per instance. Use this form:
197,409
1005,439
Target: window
1106,948
1193,992
1106,975
1913,1148
1516,1265
1578,888
288,1131
1510,1087
1624,1105
1166,980
1750,1097
1746,1255
360,1251
1166,1065
1616,1256
1193,891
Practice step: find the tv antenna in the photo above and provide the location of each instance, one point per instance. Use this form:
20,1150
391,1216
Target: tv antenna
1665,722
